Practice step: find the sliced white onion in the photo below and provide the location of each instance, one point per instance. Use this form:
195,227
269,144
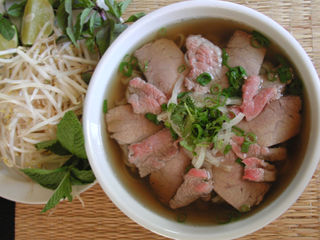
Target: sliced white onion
198,160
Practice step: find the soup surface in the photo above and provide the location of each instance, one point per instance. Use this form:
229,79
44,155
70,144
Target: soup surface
219,32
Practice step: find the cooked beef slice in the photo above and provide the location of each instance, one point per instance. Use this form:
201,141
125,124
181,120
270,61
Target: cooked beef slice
242,53
254,100
203,56
152,153
258,170
167,180
196,184
127,127
145,97
278,122
233,188
160,61
255,150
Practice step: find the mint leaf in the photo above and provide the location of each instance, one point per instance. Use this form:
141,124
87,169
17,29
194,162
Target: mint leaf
7,30
16,9
135,17
46,178
84,176
53,146
63,191
70,135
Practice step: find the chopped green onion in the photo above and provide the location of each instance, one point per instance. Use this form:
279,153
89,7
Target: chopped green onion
204,78
197,131
250,138
258,40
182,217
188,168
164,107
184,144
126,69
162,31
245,147
174,135
182,94
227,149
272,76
238,131
225,58
105,106
181,68
244,208
133,61
152,117
216,89
239,161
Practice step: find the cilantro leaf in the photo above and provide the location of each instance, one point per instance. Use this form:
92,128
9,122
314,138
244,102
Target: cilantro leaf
70,135
7,29
16,9
46,178
63,191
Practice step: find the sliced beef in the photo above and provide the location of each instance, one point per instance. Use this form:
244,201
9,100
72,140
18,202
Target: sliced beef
242,53
127,127
258,170
254,101
153,152
196,184
145,97
255,150
233,188
203,56
278,122
160,61
167,180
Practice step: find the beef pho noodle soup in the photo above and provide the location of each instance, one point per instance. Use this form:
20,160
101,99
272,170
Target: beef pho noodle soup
208,120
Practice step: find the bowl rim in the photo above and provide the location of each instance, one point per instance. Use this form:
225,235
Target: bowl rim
97,155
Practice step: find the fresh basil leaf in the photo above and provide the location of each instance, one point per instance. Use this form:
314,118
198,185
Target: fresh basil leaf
70,135
84,176
135,17
82,4
117,29
71,36
83,18
113,8
62,17
123,5
53,146
95,22
7,29
102,37
16,9
46,178
63,191
68,9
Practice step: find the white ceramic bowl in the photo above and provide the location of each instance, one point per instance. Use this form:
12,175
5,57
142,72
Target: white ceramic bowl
99,152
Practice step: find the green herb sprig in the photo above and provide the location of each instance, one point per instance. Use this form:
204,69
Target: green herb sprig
258,40
76,171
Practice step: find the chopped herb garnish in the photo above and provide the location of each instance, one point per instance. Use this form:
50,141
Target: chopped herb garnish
182,94
227,149
152,117
164,107
250,138
126,69
245,147
216,89
258,40
238,131
173,134
204,78
239,161
105,106
182,217
236,77
162,31
244,208
181,68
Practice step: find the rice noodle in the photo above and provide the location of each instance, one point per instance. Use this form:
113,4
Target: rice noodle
38,85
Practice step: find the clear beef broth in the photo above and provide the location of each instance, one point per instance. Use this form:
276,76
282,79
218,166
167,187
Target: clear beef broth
204,213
